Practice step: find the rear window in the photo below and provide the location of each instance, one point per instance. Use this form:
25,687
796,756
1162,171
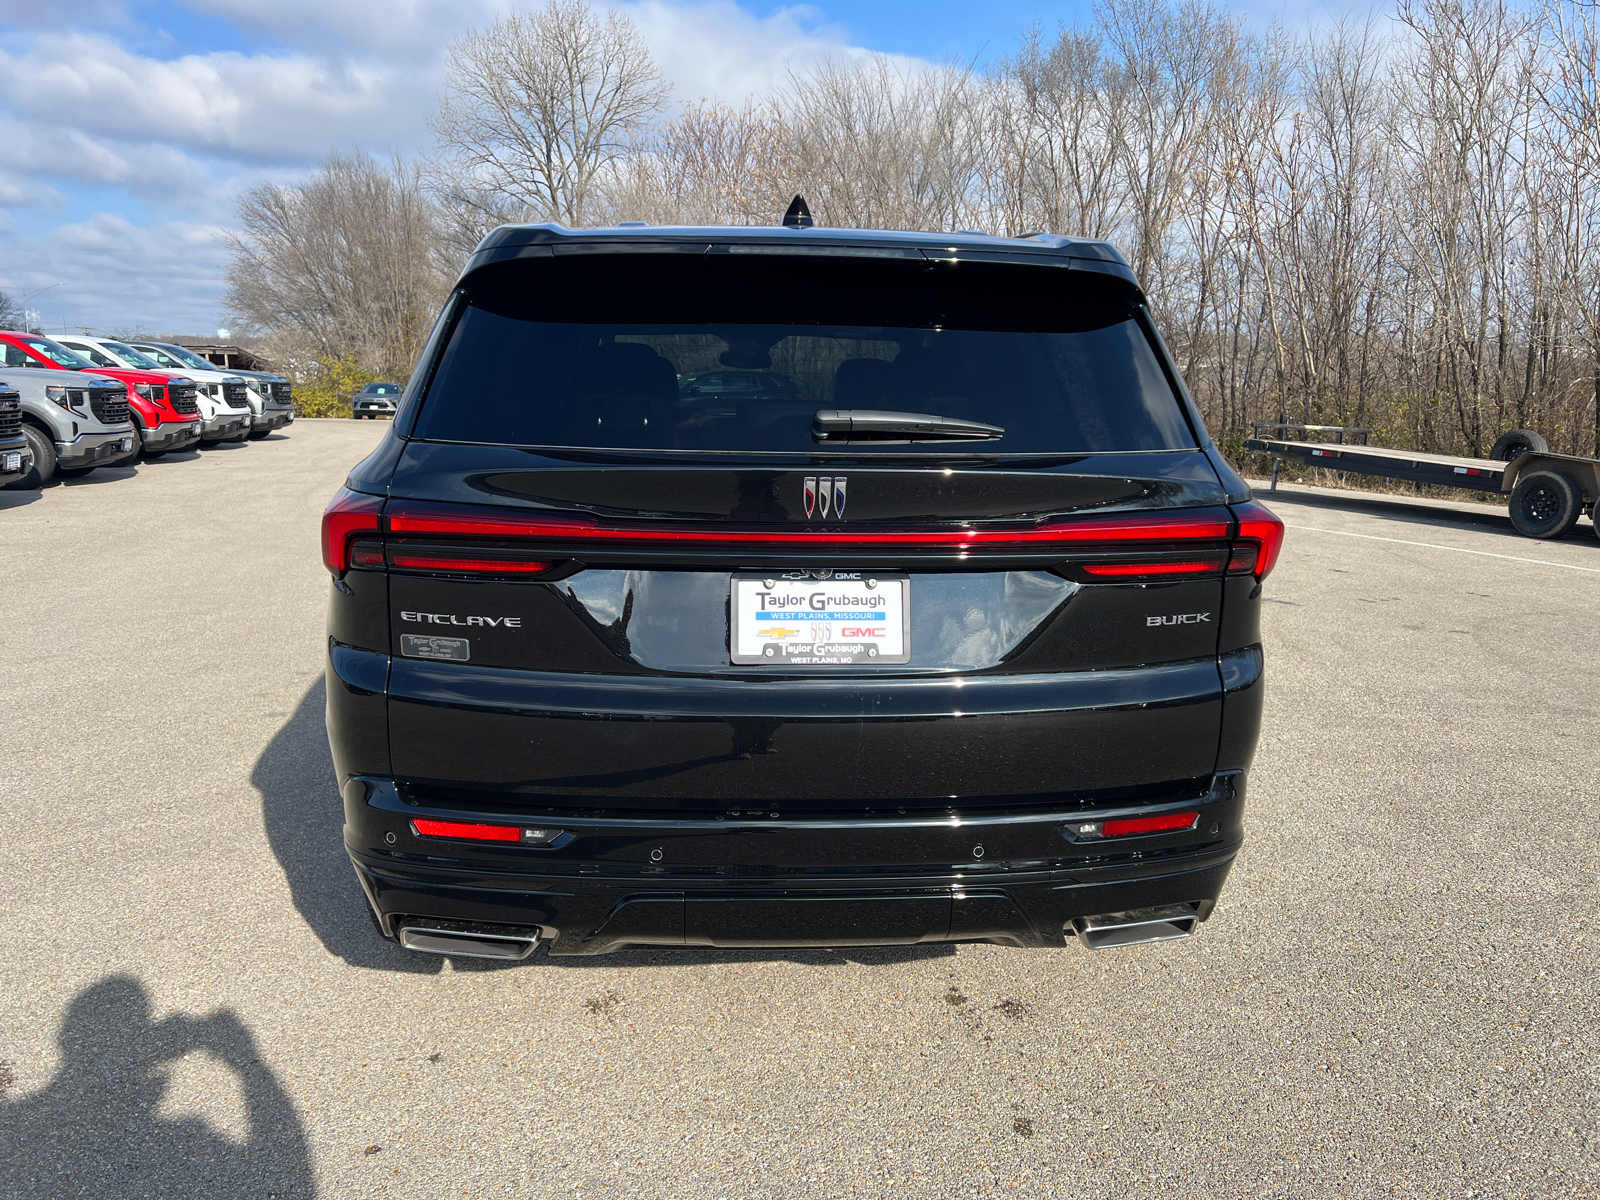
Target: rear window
737,353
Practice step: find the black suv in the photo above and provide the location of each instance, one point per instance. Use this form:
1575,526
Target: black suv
967,648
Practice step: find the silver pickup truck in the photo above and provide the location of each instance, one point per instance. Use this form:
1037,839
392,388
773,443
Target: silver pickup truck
73,422
15,457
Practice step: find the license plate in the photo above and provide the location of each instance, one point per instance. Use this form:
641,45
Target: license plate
12,464
821,618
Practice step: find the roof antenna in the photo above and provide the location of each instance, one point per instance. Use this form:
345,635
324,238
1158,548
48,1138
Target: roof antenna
799,215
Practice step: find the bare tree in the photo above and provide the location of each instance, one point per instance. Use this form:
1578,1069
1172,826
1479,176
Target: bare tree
1392,222
348,262
539,108
712,165
1057,132
1570,93
880,146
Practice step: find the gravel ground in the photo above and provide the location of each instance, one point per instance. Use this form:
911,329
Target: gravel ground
1396,997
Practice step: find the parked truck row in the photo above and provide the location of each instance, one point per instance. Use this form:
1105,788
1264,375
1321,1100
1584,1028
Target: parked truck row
70,405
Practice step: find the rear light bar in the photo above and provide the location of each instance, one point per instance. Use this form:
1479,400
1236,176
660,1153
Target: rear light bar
1128,826
1254,551
348,514
469,562
433,519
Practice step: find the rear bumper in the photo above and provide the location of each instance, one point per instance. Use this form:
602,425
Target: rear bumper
97,448
606,883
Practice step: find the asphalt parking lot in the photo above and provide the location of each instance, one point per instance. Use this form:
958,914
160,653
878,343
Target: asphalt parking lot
1397,995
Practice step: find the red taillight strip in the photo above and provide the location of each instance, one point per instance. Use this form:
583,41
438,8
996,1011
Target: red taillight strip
451,562
347,515
413,518
426,827
1212,566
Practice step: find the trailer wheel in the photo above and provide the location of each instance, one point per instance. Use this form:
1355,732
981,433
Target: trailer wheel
1545,504
1517,441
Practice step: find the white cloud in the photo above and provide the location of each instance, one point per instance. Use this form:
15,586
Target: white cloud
48,13
183,137
409,29
720,51
149,170
251,107
107,273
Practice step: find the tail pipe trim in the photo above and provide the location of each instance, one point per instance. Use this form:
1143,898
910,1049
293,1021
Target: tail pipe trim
1136,927
466,945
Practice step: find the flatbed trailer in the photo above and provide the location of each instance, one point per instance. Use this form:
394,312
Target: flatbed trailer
1548,492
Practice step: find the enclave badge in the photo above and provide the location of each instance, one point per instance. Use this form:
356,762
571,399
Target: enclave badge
826,492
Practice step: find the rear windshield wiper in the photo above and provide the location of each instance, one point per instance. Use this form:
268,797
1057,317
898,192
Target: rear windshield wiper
877,425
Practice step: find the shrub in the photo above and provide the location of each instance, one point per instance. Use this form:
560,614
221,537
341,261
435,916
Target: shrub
326,390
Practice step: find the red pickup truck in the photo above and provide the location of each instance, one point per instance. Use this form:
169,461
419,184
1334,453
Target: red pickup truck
163,407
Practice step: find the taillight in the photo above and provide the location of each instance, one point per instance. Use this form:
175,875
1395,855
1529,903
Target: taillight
470,831
1128,826
1188,567
1259,540
462,521
348,515
472,562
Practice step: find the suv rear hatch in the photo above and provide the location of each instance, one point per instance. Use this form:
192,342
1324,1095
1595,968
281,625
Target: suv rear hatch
608,588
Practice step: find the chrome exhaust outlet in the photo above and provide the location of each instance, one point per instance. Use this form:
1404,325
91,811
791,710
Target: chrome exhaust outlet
1109,931
467,945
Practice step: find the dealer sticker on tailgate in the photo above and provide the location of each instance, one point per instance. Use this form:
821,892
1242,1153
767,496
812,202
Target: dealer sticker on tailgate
797,619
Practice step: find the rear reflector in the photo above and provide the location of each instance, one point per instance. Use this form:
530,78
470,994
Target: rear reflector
464,521
1127,826
347,515
435,560
426,827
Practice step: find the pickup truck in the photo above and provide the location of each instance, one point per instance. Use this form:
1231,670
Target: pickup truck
220,398
165,416
15,457
269,407
73,422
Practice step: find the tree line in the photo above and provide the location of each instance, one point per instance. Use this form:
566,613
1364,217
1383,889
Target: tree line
1390,222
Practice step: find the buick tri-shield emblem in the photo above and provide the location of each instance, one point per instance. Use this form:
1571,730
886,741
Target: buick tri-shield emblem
825,493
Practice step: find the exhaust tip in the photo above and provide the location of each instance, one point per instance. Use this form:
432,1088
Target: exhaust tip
1136,927
504,947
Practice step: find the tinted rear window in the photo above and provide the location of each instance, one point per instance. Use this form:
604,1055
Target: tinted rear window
737,353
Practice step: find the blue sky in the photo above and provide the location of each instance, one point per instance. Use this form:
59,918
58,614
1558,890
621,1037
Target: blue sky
129,128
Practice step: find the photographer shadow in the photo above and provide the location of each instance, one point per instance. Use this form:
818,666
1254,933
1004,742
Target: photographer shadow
94,1130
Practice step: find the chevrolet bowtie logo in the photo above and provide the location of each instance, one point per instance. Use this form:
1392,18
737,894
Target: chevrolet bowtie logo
825,493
